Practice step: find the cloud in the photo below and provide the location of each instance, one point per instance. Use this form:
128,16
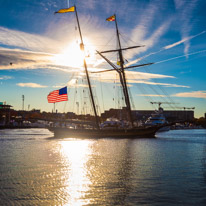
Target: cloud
155,83
185,9
146,32
23,40
34,51
183,40
90,4
31,51
138,35
20,59
5,77
151,95
32,85
73,83
198,52
167,47
144,75
194,94
186,72
134,77
131,75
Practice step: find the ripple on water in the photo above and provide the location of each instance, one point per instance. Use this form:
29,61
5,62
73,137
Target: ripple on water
168,170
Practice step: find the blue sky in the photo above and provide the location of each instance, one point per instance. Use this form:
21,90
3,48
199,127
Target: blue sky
39,53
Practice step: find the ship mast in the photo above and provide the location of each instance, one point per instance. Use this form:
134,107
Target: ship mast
86,71
121,69
123,77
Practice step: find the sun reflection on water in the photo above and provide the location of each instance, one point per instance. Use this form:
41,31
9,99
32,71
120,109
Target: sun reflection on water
76,154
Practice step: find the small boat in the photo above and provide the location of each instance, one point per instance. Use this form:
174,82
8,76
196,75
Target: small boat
158,119
112,123
114,130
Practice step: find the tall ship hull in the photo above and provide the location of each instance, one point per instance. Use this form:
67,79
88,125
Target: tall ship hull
147,132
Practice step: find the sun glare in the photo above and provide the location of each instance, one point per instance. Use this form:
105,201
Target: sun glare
76,155
73,56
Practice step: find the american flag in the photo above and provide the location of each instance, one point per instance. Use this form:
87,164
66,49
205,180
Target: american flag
58,95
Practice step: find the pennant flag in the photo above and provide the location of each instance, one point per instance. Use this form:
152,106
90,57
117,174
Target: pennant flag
71,9
118,63
58,95
111,18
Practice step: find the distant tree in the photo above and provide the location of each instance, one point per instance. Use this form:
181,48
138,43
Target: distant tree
201,121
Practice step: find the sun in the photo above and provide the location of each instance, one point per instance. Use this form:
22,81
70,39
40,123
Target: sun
73,56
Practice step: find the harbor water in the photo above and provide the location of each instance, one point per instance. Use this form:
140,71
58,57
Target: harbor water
36,169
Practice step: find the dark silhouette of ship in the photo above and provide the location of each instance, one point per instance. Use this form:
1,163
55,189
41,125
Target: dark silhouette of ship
130,131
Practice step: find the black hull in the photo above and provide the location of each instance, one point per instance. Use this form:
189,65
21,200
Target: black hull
17,127
94,133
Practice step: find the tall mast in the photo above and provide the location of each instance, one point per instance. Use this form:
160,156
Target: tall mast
86,71
121,69
123,76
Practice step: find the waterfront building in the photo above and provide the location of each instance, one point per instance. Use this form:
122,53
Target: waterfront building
5,114
170,115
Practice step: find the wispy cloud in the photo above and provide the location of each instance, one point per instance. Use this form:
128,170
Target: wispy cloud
134,77
185,9
165,48
157,84
32,51
5,77
144,75
151,95
89,4
194,94
23,40
183,40
32,85
139,35
21,59
186,72
21,50
198,52
29,51
18,58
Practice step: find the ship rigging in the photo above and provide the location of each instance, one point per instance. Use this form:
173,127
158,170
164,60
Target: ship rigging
131,131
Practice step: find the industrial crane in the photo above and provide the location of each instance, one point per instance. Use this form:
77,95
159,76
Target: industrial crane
159,103
186,108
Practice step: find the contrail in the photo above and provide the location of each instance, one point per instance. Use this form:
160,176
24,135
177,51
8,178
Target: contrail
139,59
183,40
68,3
166,47
180,56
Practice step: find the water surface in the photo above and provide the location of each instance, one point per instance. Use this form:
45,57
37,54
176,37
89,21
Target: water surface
38,170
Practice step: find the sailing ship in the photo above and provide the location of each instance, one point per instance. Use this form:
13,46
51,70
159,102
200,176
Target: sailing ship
96,131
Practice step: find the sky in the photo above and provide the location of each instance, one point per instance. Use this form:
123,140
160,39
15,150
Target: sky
39,53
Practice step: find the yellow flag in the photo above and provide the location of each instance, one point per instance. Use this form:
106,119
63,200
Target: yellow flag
118,63
71,9
111,18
